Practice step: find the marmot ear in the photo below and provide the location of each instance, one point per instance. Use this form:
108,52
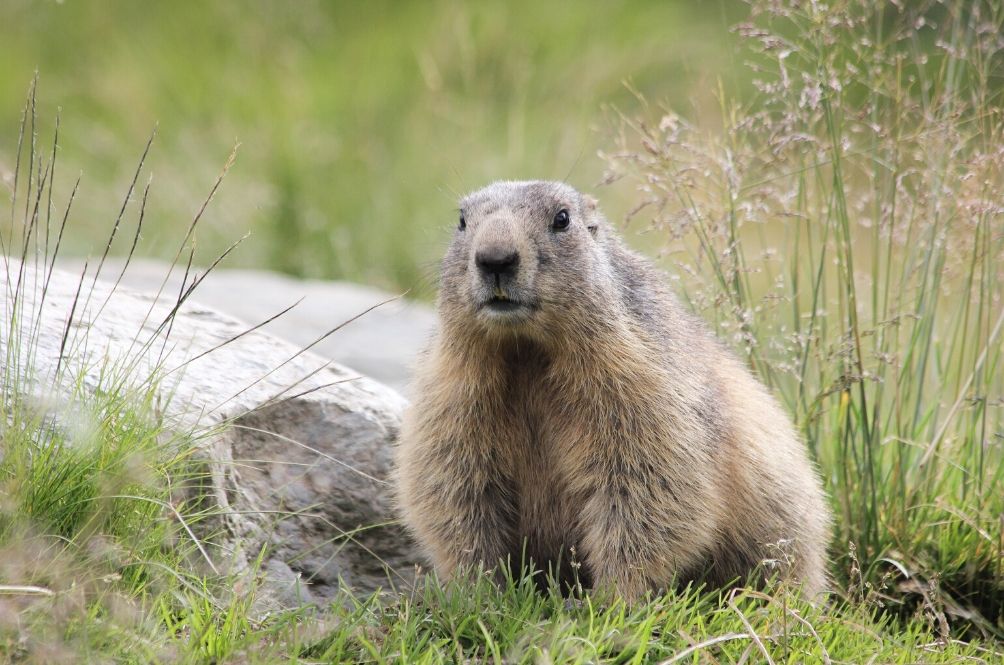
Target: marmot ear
590,205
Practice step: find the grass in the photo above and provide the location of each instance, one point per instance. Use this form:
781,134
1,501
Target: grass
842,229
517,624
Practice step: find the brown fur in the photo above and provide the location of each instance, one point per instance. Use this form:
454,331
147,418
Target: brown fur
595,414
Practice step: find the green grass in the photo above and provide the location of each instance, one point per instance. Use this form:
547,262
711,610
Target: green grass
842,228
517,624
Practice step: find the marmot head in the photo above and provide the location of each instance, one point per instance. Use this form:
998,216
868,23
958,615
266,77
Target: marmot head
525,257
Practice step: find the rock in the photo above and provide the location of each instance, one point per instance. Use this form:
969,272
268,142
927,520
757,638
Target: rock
382,344
299,448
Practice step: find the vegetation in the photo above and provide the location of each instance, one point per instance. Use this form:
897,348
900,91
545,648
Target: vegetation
846,232
359,123
843,228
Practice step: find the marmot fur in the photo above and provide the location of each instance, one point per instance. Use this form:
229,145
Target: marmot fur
569,400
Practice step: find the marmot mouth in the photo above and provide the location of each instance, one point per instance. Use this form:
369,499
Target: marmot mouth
497,304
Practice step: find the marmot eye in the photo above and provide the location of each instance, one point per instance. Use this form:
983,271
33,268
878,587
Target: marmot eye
561,220
463,222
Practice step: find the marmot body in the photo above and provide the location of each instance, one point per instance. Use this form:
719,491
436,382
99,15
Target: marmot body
569,400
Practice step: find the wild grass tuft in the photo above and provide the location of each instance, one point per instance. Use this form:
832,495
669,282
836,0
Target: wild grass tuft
98,555
844,228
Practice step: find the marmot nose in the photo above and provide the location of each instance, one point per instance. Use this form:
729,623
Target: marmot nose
497,260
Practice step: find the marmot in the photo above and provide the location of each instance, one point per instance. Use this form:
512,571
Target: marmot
569,400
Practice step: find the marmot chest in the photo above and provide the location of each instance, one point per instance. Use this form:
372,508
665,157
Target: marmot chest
544,508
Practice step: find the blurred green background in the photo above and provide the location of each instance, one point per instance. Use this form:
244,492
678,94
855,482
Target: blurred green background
359,123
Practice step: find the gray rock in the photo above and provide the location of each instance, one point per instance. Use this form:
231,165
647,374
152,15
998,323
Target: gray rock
382,343
298,448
